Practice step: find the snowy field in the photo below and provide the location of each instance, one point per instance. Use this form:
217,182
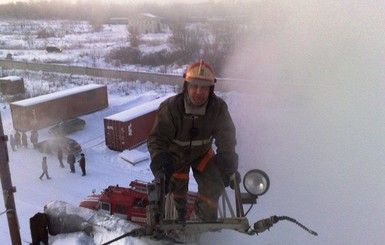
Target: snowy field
81,46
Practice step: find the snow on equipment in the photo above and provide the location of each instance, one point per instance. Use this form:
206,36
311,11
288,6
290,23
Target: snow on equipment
145,204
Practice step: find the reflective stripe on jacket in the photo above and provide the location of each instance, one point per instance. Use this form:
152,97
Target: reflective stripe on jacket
189,137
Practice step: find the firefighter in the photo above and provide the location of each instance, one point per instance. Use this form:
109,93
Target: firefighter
39,228
182,137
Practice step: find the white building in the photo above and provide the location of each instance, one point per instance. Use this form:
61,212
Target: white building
145,23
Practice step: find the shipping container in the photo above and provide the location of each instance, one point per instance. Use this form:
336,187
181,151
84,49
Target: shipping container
12,85
45,110
130,128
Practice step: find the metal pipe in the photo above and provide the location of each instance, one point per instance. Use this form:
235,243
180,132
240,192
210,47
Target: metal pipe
238,198
8,189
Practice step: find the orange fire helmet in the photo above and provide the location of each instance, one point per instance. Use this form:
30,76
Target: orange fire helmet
200,73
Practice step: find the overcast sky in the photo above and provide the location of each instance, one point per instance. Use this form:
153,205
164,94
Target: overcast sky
124,1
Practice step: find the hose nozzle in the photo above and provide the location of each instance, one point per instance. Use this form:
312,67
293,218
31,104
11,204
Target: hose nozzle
265,224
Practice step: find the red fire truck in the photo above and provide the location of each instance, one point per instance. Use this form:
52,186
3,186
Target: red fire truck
130,202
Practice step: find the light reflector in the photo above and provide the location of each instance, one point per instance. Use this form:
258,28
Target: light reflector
256,182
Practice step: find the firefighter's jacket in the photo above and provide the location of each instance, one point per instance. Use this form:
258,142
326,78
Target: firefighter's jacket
188,137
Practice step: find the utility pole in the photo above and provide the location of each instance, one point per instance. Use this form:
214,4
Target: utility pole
8,189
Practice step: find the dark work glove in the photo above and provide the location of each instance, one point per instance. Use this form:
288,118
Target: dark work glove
163,163
237,179
227,163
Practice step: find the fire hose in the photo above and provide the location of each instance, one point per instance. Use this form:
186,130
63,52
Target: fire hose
142,232
259,227
265,224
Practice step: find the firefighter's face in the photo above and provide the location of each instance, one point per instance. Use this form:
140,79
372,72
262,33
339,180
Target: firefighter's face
198,94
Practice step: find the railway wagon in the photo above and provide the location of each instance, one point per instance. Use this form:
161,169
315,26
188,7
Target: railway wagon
45,110
130,128
12,85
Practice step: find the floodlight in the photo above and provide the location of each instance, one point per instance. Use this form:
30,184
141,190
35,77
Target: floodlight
256,182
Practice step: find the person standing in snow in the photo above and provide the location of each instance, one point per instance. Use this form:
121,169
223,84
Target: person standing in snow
82,164
24,140
17,140
71,159
60,157
12,142
34,137
182,136
44,166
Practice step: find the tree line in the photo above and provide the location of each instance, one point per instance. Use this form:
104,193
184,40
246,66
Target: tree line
103,10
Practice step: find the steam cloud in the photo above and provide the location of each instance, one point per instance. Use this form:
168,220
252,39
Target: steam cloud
313,117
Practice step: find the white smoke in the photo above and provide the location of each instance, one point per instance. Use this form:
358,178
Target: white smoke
313,118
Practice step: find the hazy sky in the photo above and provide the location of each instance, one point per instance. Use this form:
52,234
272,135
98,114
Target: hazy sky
124,1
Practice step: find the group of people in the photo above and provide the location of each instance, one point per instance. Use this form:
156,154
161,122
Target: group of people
71,160
18,140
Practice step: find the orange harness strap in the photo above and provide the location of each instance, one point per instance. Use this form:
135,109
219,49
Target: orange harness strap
208,201
182,176
178,196
206,158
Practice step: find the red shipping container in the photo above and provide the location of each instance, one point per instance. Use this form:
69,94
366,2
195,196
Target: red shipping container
12,85
45,110
130,128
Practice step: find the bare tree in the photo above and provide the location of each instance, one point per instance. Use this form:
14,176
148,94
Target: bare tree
29,38
133,36
220,46
187,40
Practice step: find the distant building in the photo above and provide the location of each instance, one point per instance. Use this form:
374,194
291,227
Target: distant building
145,23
